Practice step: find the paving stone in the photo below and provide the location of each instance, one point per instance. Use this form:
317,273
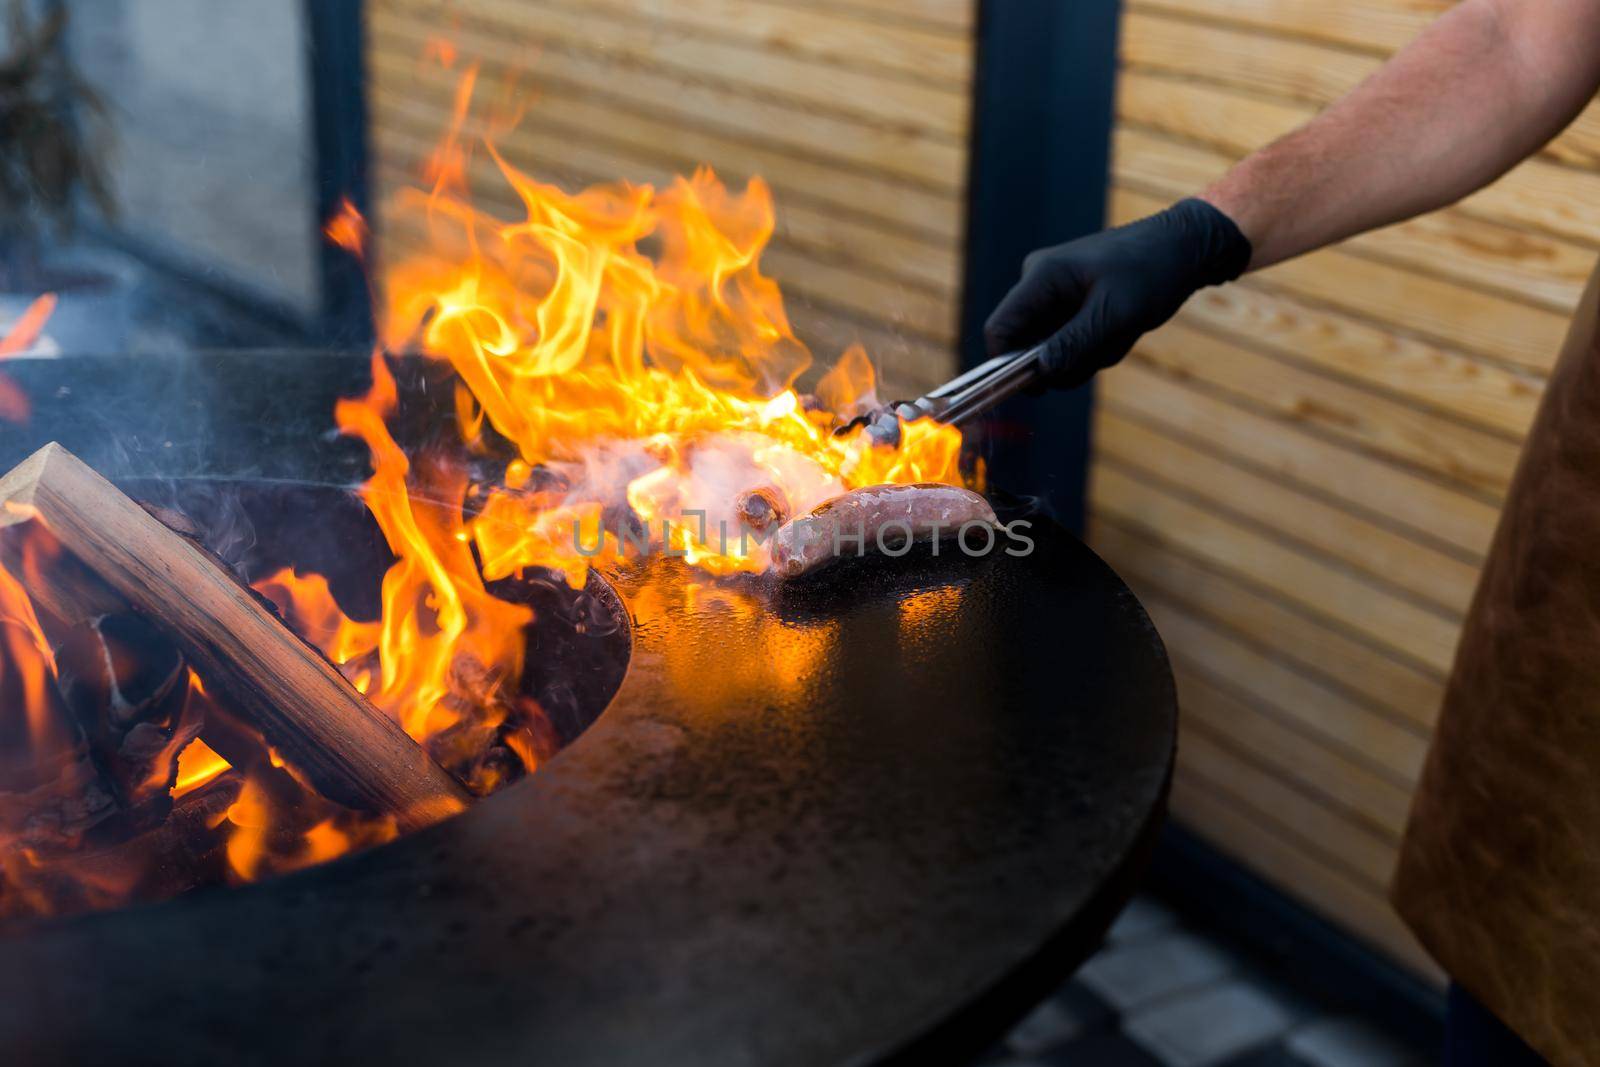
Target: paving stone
1350,1042
1211,1025
1065,1016
1131,975
1144,915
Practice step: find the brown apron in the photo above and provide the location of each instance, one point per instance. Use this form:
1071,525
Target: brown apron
1499,875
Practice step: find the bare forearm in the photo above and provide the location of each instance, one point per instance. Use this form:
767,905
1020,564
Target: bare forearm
1484,87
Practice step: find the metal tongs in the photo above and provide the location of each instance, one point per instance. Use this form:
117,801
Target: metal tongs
956,401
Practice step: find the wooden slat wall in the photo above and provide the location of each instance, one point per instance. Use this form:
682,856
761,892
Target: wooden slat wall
856,112
1300,475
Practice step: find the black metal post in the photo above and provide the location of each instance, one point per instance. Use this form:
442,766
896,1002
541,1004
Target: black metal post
1040,166
335,33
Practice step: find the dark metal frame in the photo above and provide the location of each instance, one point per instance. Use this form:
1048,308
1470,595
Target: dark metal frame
1040,167
336,32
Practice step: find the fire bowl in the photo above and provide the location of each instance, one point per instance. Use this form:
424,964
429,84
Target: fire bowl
870,820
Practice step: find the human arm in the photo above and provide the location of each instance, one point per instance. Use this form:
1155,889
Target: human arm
1482,88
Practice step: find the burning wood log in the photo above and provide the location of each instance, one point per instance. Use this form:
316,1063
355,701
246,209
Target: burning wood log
101,757
186,850
126,684
109,728
498,736
118,556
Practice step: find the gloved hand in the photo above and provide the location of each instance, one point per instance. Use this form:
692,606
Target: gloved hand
1094,297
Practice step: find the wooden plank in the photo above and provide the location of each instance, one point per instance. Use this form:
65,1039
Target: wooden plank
576,119
1380,26
1490,256
1383,427
1370,800
953,16
1379,553
1507,200
1415,371
1524,336
907,365
911,155
866,293
1309,72
560,114
1276,855
1232,122
1412,504
1545,195
917,261
1243,58
842,38
1425,635
1341,842
1345,659
628,34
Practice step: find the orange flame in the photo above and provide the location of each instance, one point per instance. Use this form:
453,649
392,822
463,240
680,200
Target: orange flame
625,341
197,767
27,665
14,406
436,611
348,229
29,325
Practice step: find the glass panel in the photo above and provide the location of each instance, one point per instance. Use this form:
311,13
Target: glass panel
210,103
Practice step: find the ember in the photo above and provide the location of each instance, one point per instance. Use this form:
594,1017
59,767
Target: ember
625,384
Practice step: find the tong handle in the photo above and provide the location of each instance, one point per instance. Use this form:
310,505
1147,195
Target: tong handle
1001,377
961,398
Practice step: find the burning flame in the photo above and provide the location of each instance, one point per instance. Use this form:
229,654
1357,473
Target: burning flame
14,406
625,373
621,351
29,325
625,343
348,229
197,766
27,665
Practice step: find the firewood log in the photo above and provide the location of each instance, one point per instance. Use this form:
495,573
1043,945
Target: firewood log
120,698
118,557
127,685
184,851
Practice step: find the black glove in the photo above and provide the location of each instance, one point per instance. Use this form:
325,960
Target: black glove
1094,297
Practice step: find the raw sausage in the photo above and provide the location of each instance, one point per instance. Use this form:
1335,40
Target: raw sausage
878,517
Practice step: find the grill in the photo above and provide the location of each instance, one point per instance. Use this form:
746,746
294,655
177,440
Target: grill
870,818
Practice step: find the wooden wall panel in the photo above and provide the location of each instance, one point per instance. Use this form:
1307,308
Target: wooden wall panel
1300,474
855,111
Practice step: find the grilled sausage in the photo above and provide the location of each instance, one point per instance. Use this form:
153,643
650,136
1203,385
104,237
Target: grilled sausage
761,509
884,518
